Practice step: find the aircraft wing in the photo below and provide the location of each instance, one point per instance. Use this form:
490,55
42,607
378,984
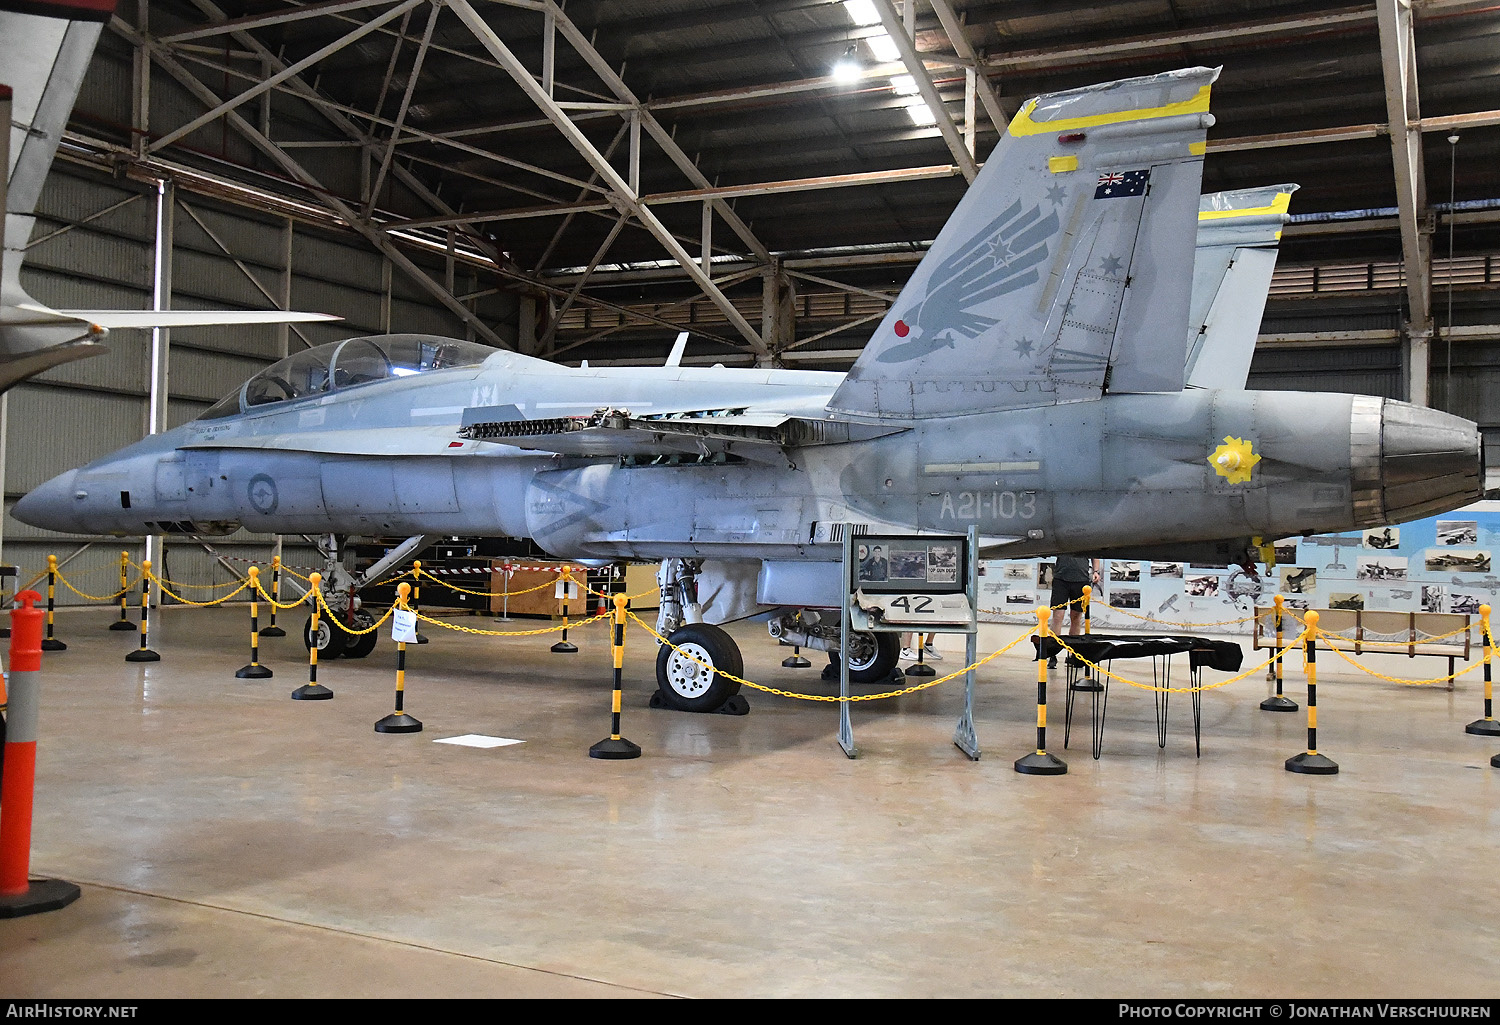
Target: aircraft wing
697,434
123,319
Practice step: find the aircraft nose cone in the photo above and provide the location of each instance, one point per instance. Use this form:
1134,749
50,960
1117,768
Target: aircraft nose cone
50,506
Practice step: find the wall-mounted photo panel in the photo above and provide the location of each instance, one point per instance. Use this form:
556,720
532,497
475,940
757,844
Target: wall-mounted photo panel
1348,600
1020,571
1126,598
1465,603
1201,585
1298,579
1457,560
1383,538
1124,572
1166,569
1286,551
1457,532
1434,598
1381,567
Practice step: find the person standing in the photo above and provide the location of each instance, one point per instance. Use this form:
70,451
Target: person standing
1068,580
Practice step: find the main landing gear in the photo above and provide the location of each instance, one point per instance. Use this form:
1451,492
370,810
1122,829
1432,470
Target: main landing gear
339,635
694,674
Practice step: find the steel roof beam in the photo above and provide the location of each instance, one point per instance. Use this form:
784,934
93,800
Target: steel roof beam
580,142
961,45
907,47
1398,57
270,83
305,178
264,20
663,138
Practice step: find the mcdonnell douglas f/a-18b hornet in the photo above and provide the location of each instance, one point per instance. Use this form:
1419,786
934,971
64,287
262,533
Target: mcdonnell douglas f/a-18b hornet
1035,378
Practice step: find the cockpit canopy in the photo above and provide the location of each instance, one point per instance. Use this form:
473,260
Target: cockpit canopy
340,365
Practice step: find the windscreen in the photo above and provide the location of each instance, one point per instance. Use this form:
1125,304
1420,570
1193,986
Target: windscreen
339,365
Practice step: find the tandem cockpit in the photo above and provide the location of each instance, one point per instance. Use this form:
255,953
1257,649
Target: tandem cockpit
336,366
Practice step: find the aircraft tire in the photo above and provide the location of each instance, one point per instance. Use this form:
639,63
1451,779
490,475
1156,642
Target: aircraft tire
360,645
871,663
690,687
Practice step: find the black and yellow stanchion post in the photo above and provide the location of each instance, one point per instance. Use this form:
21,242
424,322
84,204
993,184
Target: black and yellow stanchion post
616,746
1039,762
254,671
795,659
569,590
313,690
1488,726
1310,761
1278,702
398,721
272,630
1088,683
124,623
51,643
416,593
920,666
143,653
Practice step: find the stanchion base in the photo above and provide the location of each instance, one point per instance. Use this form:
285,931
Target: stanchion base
143,655
1495,761
564,647
1278,703
920,669
398,722
53,644
421,639
615,748
273,631
1484,728
1313,765
123,624
1088,685
1041,764
41,895
795,662
5,631
312,692
253,672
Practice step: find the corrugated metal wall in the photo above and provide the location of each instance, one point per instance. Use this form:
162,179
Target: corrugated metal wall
80,411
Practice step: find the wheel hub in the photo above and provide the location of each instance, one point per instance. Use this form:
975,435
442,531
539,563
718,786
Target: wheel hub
686,677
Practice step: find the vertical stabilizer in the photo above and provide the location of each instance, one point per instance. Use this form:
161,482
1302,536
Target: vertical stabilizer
45,48
1238,235
1065,270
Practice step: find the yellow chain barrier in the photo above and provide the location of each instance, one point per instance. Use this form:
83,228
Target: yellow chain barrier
829,697
1393,679
1181,626
244,585
266,596
572,624
93,597
482,594
345,627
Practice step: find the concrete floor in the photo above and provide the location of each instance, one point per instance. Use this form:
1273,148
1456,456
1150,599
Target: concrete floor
232,842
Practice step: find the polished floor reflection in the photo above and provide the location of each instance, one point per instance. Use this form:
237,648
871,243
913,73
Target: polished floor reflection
233,842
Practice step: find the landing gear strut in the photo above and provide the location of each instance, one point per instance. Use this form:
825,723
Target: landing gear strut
690,675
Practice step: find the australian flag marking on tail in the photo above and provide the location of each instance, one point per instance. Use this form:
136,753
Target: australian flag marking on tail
1115,184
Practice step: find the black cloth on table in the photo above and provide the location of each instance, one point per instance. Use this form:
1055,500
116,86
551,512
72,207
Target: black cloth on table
1203,652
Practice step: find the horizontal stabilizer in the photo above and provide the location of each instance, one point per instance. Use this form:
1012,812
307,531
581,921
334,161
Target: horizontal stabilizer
1064,272
125,319
1238,235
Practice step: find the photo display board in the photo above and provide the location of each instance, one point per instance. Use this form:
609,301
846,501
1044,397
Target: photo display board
903,564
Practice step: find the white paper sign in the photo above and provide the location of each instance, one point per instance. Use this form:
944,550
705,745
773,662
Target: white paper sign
404,625
565,589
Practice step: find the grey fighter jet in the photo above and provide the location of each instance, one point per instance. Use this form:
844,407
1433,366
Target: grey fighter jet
45,46
1032,379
